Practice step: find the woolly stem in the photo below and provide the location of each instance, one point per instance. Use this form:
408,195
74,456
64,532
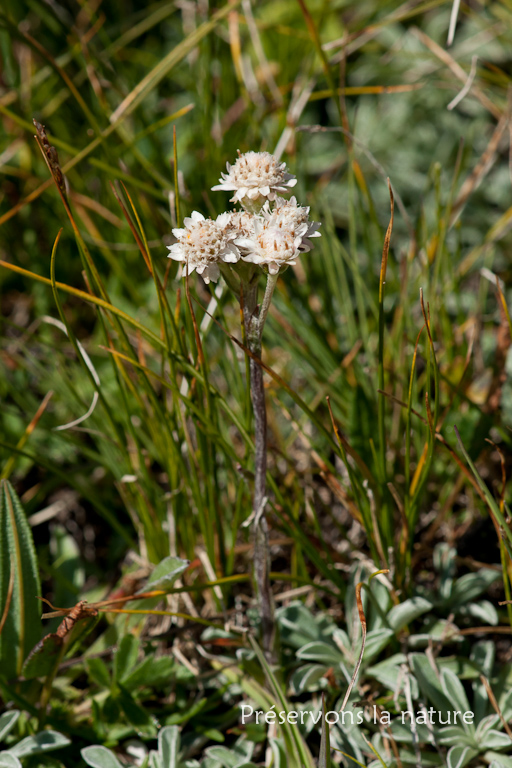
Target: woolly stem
254,321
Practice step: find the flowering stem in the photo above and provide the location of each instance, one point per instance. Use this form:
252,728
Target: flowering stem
265,304
254,322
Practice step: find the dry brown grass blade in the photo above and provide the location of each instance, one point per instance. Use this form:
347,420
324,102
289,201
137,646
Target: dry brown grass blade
387,240
362,619
366,90
132,227
492,699
500,630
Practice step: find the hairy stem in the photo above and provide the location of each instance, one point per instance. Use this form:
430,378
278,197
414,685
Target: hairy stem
254,328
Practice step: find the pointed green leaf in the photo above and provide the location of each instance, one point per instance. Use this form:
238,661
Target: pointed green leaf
125,657
100,757
429,683
43,657
165,574
134,713
22,628
458,757
8,760
7,723
402,614
45,741
169,746
322,653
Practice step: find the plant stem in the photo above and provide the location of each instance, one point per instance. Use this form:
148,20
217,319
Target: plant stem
254,321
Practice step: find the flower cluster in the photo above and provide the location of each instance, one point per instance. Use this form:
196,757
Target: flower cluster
269,231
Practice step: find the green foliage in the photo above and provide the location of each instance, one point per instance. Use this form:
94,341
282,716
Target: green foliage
40,743
150,491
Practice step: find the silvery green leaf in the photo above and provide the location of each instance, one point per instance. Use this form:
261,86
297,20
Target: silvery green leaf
7,723
298,626
246,765
310,677
322,653
343,643
441,629
402,614
100,757
505,703
496,740
456,695
453,736
348,738
280,759
480,700
380,597
8,760
444,564
169,746
429,683
482,654
402,731
498,761
376,640
458,757
136,750
471,585
308,721
228,758
389,673
428,759
459,665
244,748
45,741
485,725
483,610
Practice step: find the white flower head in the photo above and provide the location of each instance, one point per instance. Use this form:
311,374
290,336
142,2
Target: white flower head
203,243
254,177
289,215
280,235
241,223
